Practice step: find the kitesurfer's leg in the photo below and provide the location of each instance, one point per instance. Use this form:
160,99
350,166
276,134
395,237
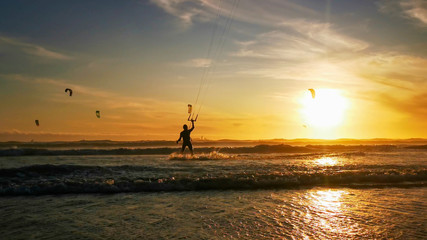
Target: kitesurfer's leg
190,146
183,147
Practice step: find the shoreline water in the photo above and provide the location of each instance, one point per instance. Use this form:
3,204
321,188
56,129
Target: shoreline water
317,213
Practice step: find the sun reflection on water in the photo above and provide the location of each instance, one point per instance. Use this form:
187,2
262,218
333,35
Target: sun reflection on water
326,161
328,200
323,213
327,206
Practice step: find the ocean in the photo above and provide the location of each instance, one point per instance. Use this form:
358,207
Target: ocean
258,191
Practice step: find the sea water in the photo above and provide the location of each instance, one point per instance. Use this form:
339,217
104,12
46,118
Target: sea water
305,195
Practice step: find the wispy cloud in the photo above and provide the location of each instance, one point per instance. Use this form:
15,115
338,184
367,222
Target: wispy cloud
197,63
414,106
411,9
186,10
43,52
33,49
301,49
325,35
416,9
270,13
404,72
300,39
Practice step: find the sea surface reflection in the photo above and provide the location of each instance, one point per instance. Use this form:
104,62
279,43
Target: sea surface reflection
330,213
326,161
318,213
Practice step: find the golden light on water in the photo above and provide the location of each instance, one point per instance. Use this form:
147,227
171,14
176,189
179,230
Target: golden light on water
325,110
327,206
328,200
326,161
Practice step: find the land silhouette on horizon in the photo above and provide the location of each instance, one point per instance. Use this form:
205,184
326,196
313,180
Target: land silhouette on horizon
219,142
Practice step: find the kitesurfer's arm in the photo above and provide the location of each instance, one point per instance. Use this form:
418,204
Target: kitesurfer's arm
192,125
180,136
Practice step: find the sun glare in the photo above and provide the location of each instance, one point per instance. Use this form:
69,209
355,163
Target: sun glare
326,161
326,109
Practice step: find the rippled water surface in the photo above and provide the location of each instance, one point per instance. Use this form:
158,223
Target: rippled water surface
318,213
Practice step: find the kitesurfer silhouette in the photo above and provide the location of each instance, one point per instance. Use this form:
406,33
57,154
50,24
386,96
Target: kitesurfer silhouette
185,135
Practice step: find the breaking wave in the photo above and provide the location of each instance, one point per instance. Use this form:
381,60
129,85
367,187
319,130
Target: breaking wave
203,156
261,149
77,179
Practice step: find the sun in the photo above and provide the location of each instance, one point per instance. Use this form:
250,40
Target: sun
325,110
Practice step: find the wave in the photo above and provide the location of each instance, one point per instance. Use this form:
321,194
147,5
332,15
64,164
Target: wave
204,156
116,151
152,151
419,147
76,179
210,143
261,149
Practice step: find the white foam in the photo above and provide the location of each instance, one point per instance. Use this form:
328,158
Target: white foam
214,155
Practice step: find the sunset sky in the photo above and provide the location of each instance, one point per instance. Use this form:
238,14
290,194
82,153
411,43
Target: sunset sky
141,62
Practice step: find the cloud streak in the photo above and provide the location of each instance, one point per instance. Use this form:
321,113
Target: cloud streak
415,105
187,10
197,63
35,50
271,13
411,9
416,9
404,72
300,39
301,50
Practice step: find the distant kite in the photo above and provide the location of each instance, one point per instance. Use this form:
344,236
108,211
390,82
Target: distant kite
98,114
69,90
313,93
37,123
